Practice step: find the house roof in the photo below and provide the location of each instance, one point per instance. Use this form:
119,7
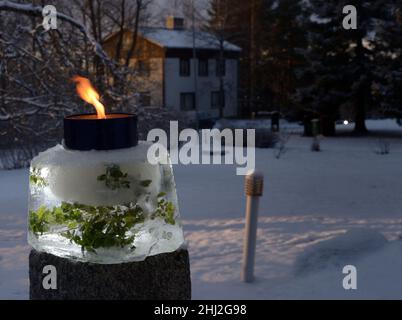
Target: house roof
183,39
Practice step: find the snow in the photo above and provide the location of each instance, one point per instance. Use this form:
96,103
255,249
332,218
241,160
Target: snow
183,39
320,211
13,244
261,123
339,250
59,156
243,124
319,20
275,5
216,255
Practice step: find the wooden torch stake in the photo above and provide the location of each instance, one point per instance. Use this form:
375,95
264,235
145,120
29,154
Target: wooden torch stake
254,184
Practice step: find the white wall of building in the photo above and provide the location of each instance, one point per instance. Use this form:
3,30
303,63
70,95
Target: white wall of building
176,84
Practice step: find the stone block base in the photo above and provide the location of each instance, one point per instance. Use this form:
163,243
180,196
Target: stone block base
161,277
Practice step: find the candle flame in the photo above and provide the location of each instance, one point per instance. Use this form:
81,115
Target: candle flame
87,93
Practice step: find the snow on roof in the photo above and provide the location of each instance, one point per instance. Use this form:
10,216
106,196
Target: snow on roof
183,39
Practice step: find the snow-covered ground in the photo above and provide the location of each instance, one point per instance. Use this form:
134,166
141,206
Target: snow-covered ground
311,200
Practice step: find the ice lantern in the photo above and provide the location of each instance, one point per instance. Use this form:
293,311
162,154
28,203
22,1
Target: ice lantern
96,198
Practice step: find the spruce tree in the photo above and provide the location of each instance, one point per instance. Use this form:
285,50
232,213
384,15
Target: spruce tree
283,42
346,66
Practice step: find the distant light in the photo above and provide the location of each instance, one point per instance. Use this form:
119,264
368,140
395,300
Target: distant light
346,122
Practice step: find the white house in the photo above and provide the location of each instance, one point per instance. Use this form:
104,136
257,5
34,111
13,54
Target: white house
169,76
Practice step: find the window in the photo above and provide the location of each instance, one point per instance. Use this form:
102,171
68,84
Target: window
187,101
220,68
184,67
143,68
217,99
203,68
144,99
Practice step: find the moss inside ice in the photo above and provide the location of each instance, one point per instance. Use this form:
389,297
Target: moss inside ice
88,226
105,227
35,178
164,210
145,183
93,227
114,178
39,220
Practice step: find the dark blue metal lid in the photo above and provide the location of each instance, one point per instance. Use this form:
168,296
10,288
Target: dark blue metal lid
87,132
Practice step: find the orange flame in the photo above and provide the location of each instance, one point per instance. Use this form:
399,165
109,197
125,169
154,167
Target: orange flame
87,93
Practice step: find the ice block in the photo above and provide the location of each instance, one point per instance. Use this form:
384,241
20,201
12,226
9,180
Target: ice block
108,206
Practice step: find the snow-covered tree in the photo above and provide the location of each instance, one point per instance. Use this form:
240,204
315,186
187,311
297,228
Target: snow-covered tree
36,66
346,66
